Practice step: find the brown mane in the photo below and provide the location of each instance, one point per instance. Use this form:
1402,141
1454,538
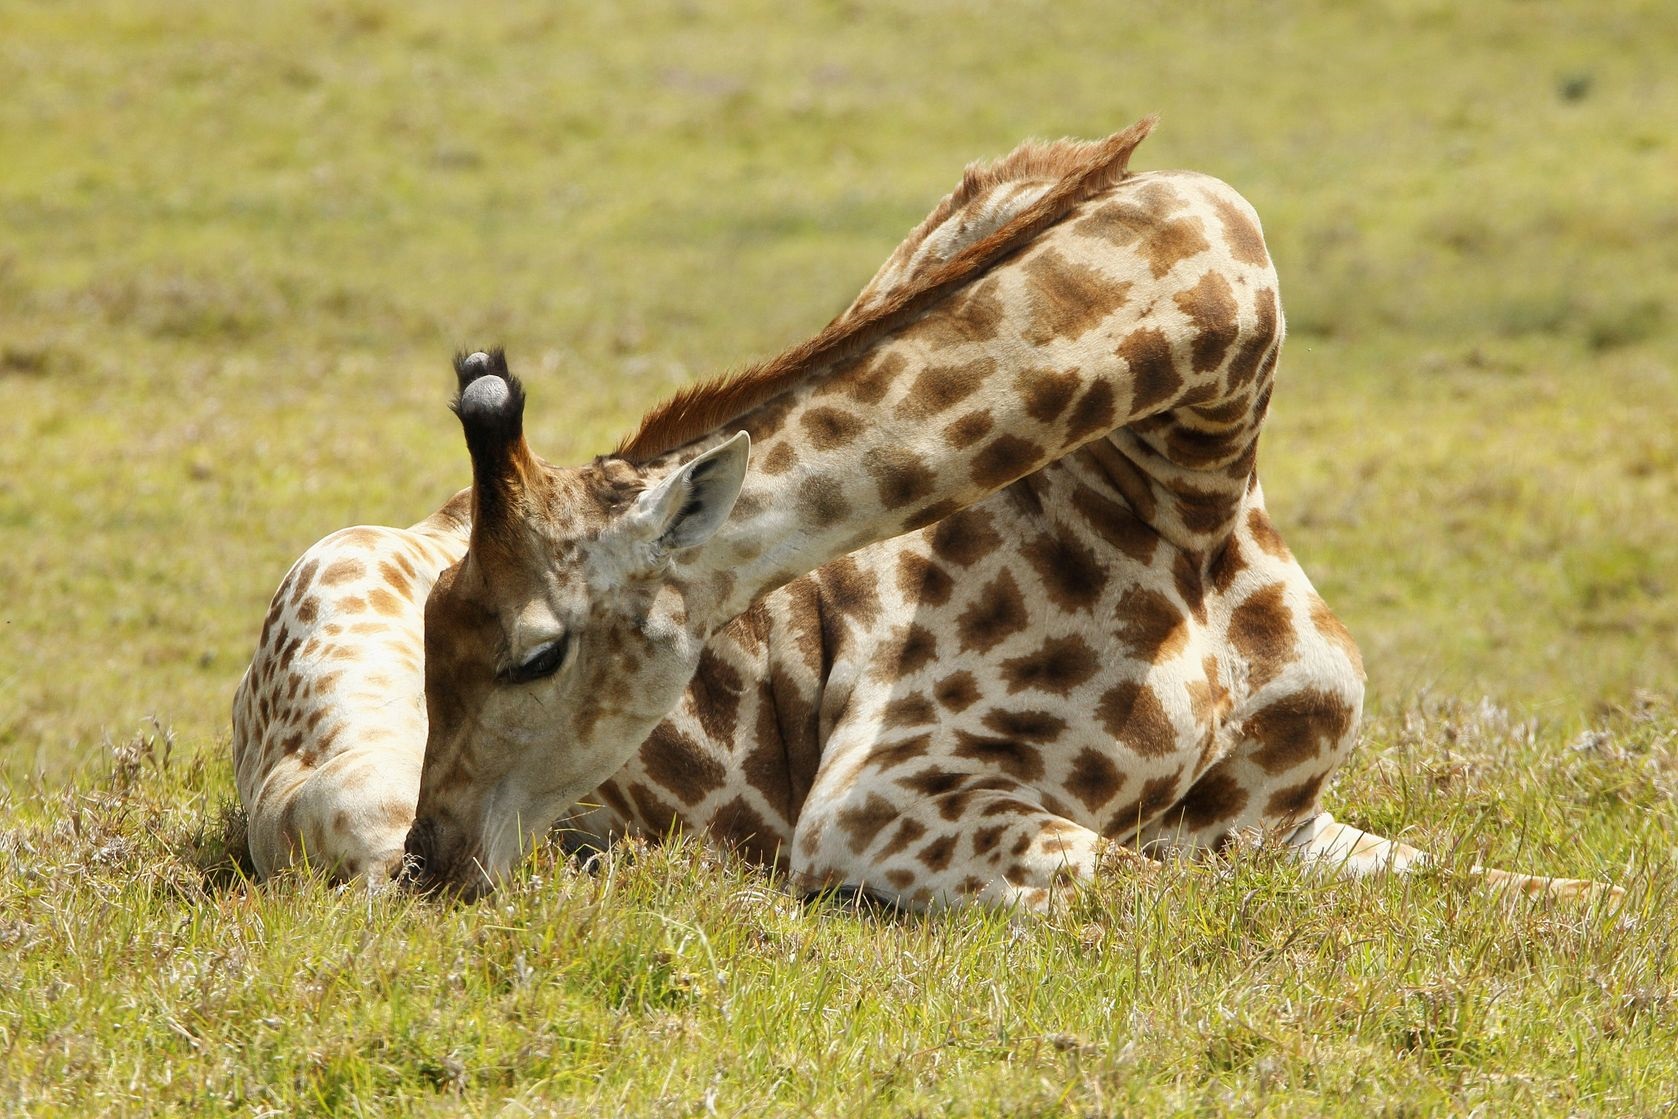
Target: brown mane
1080,169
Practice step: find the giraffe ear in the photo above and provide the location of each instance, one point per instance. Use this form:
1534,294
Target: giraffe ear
687,507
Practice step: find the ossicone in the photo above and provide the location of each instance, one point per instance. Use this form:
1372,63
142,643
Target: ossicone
490,404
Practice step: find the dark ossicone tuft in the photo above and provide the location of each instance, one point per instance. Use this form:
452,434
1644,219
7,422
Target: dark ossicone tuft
468,367
490,405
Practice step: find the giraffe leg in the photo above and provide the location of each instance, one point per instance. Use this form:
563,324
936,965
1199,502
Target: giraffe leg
988,841
1342,849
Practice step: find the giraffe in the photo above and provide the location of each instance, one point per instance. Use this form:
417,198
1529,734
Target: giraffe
966,599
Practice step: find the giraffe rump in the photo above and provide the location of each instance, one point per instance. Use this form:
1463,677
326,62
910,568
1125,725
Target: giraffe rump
1080,170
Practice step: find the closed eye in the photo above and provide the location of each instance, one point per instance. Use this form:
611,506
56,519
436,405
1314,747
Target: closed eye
543,662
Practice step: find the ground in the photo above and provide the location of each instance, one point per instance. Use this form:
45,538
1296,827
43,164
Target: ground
238,246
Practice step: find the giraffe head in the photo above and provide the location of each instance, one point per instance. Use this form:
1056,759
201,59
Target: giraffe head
564,635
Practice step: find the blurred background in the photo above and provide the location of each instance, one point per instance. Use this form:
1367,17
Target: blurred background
239,243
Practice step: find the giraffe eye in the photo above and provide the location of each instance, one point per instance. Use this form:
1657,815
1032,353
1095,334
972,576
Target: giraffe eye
543,662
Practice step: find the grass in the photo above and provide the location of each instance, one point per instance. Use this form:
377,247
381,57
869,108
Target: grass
238,245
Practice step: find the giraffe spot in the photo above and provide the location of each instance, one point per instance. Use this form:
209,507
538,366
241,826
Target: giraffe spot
656,816
1330,627
614,799
969,429
922,582
291,743
847,589
1191,588
973,318
930,514
715,694
900,475
1265,535
1257,352
965,538
679,764
1134,716
1096,412
1117,524
300,579
932,782
938,388
1230,410
1298,728
827,428
1118,223
862,823
1067,299
1210,308
1172,242
957,691
937,854
900,879
1153,371
1294,801
1046,393
997,614
907,832
1212,800
778,460
868,383
1094,779
917,647
383,602
1005,458
1198,449
987,839
342,571
1261,629
395,577
1152,627
1241,234
1058,666
740,827
908,711
1206,512
889,755
822,502
1026,726
1156,796
1017,759
1230,562
1071,574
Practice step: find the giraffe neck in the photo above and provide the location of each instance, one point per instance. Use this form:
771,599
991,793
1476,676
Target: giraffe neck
1143,325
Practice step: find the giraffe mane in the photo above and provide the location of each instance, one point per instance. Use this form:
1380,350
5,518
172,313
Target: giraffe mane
1081,170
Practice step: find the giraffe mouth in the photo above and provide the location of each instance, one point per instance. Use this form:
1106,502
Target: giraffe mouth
436,862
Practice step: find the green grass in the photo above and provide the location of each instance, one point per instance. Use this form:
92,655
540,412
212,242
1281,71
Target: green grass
237,246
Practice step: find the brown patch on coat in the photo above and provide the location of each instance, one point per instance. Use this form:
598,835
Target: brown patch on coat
957,691
1017,759
1261,629
862,823
1152,627
1071,573
1241,234
1056,667
1210,307
1067,300
996,614
964,538
676,762
923,582
1134,716
1153,370
900,475
827,428
1214,799
1004,459
1298,728
1094,779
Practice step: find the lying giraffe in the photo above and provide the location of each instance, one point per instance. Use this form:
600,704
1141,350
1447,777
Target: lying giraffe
996,605
329,727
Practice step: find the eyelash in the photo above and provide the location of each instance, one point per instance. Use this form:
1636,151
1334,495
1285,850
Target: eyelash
543,664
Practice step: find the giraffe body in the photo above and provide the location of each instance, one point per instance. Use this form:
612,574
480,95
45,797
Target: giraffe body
1110,654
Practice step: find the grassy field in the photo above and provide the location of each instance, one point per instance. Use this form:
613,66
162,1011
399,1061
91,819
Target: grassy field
238,245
